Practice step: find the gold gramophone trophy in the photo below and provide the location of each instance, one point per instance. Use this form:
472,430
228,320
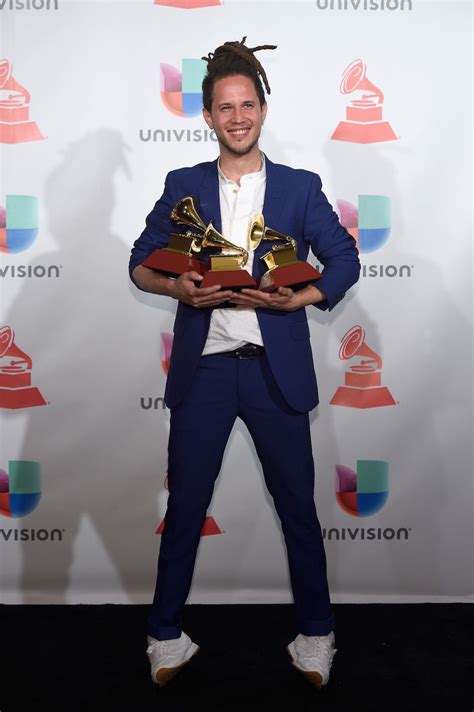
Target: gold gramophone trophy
178,256
284,269
227,267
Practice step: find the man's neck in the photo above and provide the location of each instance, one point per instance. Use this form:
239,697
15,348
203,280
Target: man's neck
234,167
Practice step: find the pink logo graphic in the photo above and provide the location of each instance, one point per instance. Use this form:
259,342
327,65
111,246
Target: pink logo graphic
209,528
15,124
166,348
363,380
364,122
16,390
188,4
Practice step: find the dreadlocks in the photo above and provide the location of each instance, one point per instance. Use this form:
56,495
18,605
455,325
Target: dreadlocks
230,59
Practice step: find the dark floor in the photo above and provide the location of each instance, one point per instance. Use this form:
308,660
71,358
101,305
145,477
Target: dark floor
390,657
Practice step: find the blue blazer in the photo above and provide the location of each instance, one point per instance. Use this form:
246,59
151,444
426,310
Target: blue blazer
294,205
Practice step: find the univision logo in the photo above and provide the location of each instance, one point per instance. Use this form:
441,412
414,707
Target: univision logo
364,492
181,91
29,4
18,223
369,223
152,403
181,94
20,488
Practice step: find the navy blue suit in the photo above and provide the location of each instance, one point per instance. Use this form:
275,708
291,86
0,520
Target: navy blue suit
272,394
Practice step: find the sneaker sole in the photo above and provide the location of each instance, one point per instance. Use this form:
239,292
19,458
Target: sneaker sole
314,677
164,675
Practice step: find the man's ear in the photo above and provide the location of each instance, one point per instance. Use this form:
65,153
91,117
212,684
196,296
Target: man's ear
264,111
207,118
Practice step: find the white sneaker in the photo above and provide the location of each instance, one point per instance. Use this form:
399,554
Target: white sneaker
313,655
167,657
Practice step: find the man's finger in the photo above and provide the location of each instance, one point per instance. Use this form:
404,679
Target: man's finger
285,291
205,291
192,275
201,305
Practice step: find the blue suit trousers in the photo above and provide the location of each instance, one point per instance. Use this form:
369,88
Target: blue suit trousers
223,389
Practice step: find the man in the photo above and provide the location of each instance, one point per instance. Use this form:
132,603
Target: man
251,361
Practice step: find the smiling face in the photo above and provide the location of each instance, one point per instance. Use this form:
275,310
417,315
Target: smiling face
236,115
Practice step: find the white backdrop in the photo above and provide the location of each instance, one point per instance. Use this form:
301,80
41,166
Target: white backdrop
93,72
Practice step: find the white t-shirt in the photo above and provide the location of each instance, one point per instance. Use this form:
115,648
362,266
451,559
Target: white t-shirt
232,327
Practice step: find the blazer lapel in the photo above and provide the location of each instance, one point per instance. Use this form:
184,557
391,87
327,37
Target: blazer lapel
208,196
209,204
272,207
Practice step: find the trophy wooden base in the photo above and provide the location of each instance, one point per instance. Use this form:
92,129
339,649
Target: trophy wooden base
173,264
295,275
235,279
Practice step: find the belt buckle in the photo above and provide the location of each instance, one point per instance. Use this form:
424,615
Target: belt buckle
252,354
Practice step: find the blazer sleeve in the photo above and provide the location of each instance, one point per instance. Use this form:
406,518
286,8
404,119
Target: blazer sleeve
334,247
157,230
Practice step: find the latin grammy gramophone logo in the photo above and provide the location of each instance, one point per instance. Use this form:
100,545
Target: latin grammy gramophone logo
188,4
181,91
364,122
20,488
363,380
15,124
16,390
209,528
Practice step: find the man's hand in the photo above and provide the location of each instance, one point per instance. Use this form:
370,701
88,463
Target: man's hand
185,290
283,298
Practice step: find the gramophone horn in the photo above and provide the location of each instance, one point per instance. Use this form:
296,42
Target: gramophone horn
185,213
353,344
5,72
354,77
6,339
258,232
213,238
9,348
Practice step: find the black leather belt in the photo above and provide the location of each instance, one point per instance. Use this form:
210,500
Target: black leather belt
245,351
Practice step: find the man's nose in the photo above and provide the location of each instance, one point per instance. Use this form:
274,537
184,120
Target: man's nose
237,116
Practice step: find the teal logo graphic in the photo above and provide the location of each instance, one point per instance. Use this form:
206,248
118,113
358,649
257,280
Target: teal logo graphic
18,223
20,488
364,492
181,91
369,223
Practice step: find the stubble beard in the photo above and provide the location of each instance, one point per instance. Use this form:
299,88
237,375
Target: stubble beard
235,151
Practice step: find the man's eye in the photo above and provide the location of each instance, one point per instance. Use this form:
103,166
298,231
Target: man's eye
249,105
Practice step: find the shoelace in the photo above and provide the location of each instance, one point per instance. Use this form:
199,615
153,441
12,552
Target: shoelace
160,644
317,645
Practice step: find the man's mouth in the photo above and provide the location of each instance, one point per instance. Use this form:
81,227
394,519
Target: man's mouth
238,132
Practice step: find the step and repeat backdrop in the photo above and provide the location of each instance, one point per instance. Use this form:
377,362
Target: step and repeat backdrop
98,101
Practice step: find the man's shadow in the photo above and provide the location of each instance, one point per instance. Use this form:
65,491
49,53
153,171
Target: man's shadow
95,353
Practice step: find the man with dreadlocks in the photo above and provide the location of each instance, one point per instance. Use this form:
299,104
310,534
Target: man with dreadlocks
252,361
